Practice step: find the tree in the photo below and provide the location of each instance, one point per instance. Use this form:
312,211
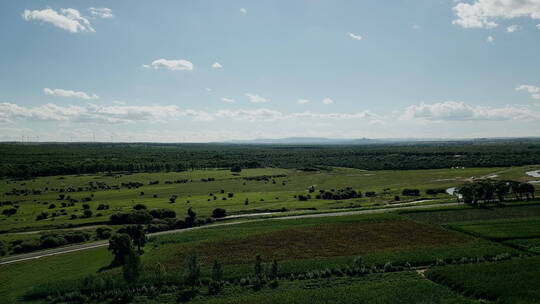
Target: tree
501,190
191,219
120,245
87,213
259,272
137,235
193,275
236,169
214,287
132,268
274,269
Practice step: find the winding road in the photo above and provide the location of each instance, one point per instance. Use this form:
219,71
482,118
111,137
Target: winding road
74,248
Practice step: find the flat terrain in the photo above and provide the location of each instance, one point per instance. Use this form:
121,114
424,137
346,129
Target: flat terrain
313,251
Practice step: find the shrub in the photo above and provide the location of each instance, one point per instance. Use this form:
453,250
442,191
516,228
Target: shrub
140,207
162,213
103,233
42,216
219,213
52,206
87,213
410,192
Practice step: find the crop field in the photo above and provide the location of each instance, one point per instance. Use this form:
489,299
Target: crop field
405,287
457,215
378,239
514,281
504,229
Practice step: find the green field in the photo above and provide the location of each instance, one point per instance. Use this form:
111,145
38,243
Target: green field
264,195
514,281
460,214
299,245
504,229
451,235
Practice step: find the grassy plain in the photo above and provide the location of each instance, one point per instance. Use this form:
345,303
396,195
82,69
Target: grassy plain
274,194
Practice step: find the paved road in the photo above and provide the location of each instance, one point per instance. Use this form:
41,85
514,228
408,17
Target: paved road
62,250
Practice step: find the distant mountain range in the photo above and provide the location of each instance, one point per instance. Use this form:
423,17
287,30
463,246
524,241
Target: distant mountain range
364,141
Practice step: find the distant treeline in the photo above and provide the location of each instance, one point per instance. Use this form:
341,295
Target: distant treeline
28,160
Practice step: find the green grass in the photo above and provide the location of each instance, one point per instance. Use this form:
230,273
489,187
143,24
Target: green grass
17,278
275,196
503,229
514,281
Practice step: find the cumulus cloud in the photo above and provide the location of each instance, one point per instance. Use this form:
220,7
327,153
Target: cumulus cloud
172,65
533,90
69,93
490,39
114,114
227,100
483,13
217,65
354,36
327,101
512,28
254,98
68,19
101,12
460,111
302,101
243,10
538,26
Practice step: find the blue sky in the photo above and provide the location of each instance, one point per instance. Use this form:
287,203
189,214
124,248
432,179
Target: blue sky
177,71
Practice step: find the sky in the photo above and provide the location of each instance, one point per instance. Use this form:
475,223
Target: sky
213,70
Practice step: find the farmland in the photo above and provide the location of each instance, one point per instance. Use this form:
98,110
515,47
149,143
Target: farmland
295,223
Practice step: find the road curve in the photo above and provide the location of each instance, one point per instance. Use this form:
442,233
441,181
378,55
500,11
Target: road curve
62,250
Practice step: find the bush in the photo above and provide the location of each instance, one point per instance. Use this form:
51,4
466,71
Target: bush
219,213
162,213
52,206
87,213
410,192
9,211
134,217
42,216
140,207
103,233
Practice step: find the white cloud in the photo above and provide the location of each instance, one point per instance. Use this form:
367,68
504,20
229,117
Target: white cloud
69,93
68,19
512,28
538,26
302,101
354,36
101,12
490,39
460,111
327,101
243,10
114,114
172,65
254,98
533,90
483,13
217,65
227,100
